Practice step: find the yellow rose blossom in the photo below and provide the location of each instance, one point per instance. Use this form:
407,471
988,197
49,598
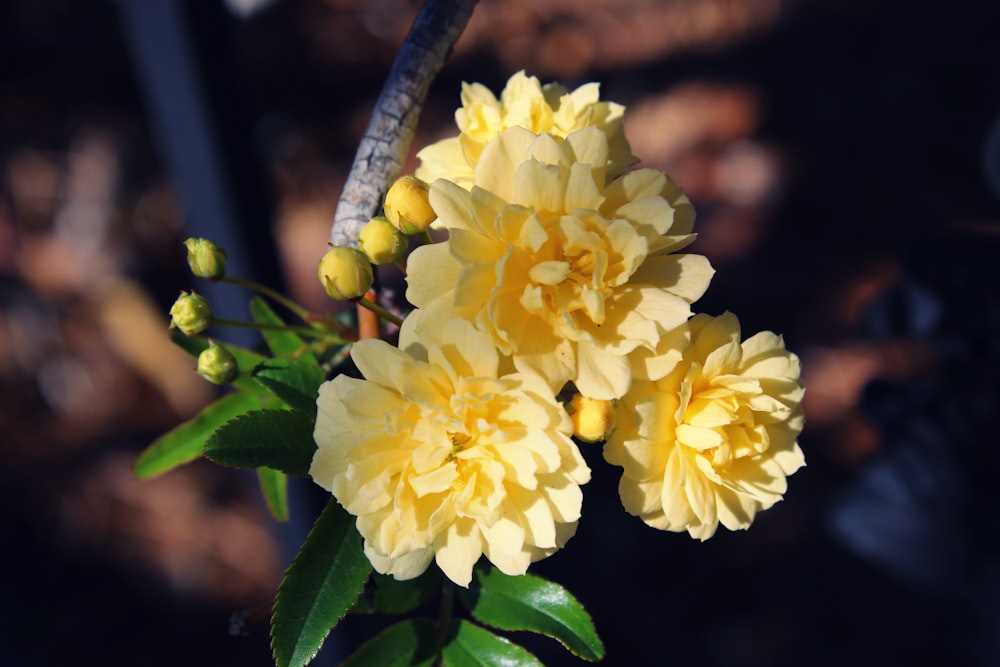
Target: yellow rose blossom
440,454
593,420
567,274
524,102
714,441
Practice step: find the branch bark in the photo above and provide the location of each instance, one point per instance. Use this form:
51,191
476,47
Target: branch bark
387,138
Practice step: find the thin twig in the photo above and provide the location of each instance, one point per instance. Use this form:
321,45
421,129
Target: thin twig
368,326
383,147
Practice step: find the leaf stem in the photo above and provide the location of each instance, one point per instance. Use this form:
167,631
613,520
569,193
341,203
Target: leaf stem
270,293
302,331
380,311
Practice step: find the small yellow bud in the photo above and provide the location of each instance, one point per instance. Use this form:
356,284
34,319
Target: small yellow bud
593,419
408,205
206,259
217,364
190,313
346,273
382,242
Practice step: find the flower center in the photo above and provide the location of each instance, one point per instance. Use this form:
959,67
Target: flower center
719,423
582,267
458,442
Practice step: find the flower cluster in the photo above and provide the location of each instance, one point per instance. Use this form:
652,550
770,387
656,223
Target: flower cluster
562,275
444,453
713,441
524,102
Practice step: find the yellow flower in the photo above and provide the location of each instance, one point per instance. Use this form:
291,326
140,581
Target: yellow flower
382,242
713,441
407,206
568,275
440,454
593,420
346,273
525,103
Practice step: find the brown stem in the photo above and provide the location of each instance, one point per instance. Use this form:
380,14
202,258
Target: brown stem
368,319
383,147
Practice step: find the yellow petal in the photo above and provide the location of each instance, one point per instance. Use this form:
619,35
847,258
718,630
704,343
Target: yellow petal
585,95
549,273
546,355
444,159
431,273
500,159
601,375
687,276
652,216
539,185
457,551
582,191
631,187
697,437
409,566
435,481
470,353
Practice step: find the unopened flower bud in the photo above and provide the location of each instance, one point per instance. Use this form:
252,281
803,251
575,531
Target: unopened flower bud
382,242
217,364
206,259
190,313
346,273
593,419
408,205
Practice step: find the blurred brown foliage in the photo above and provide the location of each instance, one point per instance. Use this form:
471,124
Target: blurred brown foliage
795,211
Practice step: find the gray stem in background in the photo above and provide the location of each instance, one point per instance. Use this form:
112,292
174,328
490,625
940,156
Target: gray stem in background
387,138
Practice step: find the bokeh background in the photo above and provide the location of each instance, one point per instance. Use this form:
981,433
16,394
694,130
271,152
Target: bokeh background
844,158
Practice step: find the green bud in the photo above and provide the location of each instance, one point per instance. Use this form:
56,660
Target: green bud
382,242
206,259
408,205
346,273
190,313
217,364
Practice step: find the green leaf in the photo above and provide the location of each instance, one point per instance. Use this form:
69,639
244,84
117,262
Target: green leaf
408,643
279,439
246,359
528,602
295,382
473,646
186,442
281,343
399,597
274,488
321,585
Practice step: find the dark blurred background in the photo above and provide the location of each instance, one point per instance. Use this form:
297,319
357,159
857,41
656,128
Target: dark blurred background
844,157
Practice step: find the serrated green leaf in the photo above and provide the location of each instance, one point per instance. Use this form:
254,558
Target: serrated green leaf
274,488
470,645
279,439
246,359
321,585
408,643
281,343
295,382
186,442
399,597
528,602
